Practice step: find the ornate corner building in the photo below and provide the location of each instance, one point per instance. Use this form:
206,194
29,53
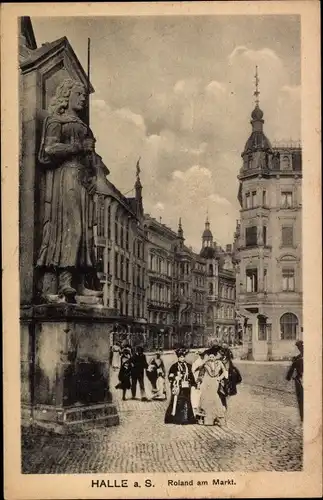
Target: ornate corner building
268,244
220,286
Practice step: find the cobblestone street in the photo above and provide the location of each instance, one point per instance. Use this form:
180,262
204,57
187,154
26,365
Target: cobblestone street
263,433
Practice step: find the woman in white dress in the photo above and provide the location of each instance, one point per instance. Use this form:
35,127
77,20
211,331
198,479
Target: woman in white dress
211,372
116,356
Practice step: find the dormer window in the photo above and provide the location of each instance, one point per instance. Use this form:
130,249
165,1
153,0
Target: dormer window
285,163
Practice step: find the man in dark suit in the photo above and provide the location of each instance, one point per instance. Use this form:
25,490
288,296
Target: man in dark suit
296,372
139,365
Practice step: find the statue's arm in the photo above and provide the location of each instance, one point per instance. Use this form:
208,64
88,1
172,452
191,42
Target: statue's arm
54,148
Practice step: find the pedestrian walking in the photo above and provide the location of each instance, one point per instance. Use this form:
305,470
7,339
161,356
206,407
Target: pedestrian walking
181,379
212,411
116,356
156,375
195,391
139,365
125,376
296,372
228,386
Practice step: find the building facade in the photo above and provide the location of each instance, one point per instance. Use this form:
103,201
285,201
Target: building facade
220,286
122,258
268,245
161,241
176,289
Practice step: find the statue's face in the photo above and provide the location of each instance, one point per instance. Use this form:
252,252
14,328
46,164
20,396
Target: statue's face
77,98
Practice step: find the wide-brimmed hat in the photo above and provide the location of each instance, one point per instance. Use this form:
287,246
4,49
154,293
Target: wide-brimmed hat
181,351
213,350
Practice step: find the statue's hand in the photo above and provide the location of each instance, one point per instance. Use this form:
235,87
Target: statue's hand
88,145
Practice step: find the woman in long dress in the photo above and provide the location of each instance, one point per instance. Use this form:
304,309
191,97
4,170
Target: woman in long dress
181,380
210,375
116,356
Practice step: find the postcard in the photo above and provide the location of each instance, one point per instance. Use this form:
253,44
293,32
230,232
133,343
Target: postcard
162,252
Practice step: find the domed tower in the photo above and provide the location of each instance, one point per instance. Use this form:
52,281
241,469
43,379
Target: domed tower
257,153
268,242
209,253
207,236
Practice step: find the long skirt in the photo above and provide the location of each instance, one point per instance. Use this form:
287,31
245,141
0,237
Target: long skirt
210,402
116,360
184,412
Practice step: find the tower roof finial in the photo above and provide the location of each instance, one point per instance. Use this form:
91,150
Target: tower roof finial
256,92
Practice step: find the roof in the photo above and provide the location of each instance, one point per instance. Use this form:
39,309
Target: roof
207,233
47,49
257,141
208,253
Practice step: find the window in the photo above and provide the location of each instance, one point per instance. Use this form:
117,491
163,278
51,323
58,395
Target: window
100,259
122,267
109,222
250,162
101,213
127,236
288,280
127,271
262,331
286,199
287,236
116,265
248,200
288,326
254,199
210,270
264,198
264,234
252,280
116,231
285,163
251,236
265,280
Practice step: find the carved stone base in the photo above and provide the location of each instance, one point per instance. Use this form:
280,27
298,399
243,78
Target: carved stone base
72,419
65,358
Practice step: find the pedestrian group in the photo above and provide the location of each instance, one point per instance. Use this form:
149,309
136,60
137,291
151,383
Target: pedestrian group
199,392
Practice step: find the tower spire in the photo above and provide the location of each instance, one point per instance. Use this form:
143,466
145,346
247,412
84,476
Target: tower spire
180,232
256,92
138,187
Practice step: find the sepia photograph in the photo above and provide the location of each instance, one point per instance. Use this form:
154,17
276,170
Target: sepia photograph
161,256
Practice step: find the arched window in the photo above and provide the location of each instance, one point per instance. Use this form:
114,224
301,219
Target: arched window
288,326
211,288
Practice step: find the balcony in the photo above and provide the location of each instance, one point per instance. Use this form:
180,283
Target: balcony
159,304
159,275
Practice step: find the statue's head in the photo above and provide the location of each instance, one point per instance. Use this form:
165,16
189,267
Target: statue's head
69,94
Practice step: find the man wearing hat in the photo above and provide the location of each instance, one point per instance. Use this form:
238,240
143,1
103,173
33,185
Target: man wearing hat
296,372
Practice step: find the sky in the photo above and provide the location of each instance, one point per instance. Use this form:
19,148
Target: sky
177,91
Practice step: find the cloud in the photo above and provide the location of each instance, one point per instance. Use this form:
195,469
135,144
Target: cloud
190,136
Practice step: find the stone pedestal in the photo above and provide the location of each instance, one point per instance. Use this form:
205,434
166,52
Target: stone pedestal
65,351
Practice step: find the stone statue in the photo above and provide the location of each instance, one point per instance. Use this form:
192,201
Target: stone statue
67,251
